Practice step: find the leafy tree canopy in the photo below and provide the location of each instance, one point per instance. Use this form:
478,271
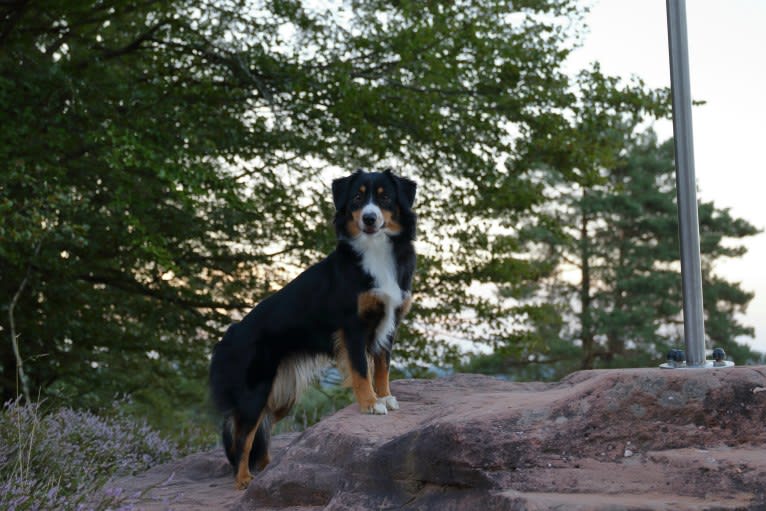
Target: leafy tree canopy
166,165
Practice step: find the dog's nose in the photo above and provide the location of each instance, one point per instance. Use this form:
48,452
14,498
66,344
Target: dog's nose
369,219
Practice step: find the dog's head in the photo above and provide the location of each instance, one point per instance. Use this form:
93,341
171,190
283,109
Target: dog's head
374,204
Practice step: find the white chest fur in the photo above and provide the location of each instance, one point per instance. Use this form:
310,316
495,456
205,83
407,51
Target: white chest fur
377,253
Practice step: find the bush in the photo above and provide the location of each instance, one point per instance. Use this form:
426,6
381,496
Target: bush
62,459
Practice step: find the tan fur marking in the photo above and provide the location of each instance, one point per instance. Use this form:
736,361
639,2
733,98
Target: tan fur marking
265,460
361,385
405,307
391,224
381,375
243,470
369,303
380,189
281,413
362,189
363,391
352,226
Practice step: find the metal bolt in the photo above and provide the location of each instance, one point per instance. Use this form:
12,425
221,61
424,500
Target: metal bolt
676,357
719,355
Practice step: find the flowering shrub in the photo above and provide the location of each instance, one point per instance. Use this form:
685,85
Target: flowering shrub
62,459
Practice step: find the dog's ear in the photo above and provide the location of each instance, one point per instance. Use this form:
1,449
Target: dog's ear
340,188
406,189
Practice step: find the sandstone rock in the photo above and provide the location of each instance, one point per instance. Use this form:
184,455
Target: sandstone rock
697,440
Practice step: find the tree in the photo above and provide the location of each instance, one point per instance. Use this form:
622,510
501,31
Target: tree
166,166
620,236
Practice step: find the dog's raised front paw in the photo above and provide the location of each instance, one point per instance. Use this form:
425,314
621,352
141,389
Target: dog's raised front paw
390,402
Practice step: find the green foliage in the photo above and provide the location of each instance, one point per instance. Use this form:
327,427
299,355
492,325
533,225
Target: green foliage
618,238
167,166
315,403
550,362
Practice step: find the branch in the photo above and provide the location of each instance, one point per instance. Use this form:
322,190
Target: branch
136,43
134,286
14,339
214,261
232,61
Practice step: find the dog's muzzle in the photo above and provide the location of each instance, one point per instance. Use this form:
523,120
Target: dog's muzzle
372,219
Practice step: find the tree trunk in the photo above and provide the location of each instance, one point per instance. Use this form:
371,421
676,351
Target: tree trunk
615,342
586,332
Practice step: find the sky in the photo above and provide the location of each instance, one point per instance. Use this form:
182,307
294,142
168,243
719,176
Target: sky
727,69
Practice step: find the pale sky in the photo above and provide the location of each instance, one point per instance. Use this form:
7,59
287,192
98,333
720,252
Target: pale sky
727,42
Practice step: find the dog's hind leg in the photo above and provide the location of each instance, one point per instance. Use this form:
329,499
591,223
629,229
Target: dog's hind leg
259,455
228,433
253,410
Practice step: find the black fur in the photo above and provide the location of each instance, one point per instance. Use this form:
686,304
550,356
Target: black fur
304,318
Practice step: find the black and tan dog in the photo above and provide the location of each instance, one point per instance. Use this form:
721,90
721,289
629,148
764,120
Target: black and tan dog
346,307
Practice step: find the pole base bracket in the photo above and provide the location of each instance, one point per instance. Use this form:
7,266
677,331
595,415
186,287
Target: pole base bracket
708,364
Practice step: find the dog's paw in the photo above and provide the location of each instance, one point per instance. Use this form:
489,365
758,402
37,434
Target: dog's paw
390,402
242,481
376,408
379,408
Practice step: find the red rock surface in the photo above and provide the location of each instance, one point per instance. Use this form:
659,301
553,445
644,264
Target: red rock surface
597,440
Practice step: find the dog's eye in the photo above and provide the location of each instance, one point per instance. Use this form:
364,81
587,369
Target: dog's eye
357,198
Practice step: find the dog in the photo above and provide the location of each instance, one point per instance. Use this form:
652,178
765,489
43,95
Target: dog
346,308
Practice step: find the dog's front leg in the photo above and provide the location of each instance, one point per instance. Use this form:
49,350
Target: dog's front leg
383,358
382,365
356,349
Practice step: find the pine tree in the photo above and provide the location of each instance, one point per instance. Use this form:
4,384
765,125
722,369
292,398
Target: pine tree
620,236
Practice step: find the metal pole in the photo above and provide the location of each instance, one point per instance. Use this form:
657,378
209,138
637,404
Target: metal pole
691,273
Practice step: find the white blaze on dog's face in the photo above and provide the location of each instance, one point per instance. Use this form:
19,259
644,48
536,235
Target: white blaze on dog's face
371,218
